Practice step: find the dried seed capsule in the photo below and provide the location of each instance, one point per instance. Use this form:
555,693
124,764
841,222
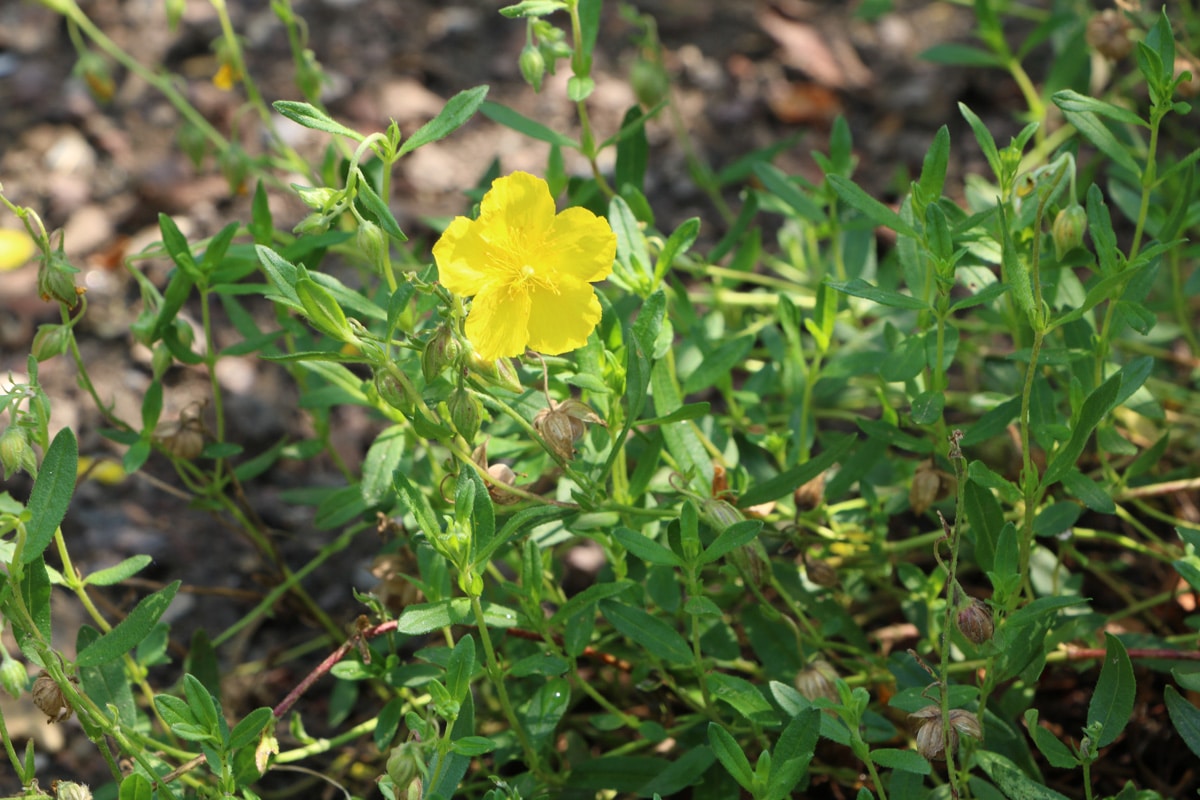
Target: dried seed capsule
1108,34
820,572
809,495
48,696
818,679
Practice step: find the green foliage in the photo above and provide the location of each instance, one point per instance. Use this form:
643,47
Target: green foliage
784,440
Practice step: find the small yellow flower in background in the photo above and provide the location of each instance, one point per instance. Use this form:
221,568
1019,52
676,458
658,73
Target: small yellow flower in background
16,248
530,270
225,77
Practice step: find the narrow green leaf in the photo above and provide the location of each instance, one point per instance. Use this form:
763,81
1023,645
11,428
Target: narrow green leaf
1071,100
106,685
684,412
454,115
681,439
1095,408
418,504
633,151
718,364
1112,701
522,124
730,754
261,227
200,702
426,617
953,54
646,549
377,210
1057,753
51,494
322,310
733,537
927,407
310,116
907,760
868,206
1088,124
546,709
984,136
857,287
115,574
130,631
657,637
250,726
777,183
460,667
787,482
135,787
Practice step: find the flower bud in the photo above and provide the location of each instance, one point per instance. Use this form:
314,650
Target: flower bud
161,359
320,198
752,561
48,696
374,245
975,622
193,143
56,279
234,164
50,341
15,452
818,679
66,790
1069,225
649,81
95,72
719,514
397,390
1189,64
13,676
465,412
440,352
404,763
533,66
1108,34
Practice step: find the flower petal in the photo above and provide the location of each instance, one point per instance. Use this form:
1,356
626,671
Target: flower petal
562,320
463,258
498,324
579,244
517,209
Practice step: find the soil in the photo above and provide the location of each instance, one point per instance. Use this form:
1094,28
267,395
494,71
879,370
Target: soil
748,75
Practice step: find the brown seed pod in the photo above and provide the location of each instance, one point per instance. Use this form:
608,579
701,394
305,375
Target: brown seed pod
562,424
48,696
975,622
1108,34
820,572
818,679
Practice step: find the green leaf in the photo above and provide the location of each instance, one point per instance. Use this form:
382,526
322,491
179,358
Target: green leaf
546,709
417,504
778,184
426,617
730,754
677,776
261,227
51,494
382,460
454,114
657,637
135,787
787,482
106,685
472,746
719,364
376,209
310,116
1090,493
1009,779
743,696
460,667
645,548
130,631
680,437
200,702
857,287
678,243
868,206
1112,701
115,574
907,760
1057,753
684,412
984,136
927,407
1071,100
633,151
1185,717
1092,129
1095,408
955,54
250,726
590,595
733,537
522,124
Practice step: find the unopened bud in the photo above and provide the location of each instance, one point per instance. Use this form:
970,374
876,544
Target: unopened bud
719,514
533,66
649,81
404,763
752,560
56,279
95,72
48,696
1189,64
817,680
13,676
320,198
1108,34
15,452
440,352
234,164
465,412
50,341
397,390
373,243
1069,225
975,622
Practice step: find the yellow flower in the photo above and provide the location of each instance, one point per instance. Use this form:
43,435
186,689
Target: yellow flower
530,270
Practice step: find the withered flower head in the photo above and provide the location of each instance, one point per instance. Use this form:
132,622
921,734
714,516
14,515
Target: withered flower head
818,679
930,742
561,425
